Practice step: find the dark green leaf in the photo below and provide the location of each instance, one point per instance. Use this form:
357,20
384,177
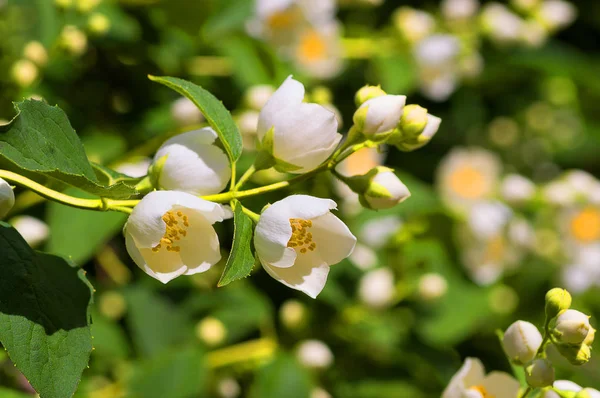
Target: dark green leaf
284,377
215,113
241,260
70,232
40,140
176,374
44,320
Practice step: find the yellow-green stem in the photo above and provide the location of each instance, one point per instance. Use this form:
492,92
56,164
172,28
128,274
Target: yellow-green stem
245,177
255,217
260,349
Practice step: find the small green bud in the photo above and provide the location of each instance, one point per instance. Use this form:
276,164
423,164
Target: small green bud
575,354
360,118
155,170
407,143
557,300
413,120
539,373
366,93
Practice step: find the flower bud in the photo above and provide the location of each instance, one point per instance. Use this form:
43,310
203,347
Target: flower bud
315,354
377,288
366,93
408,144
193,164
7,198
379,115
24,72
293,314
539,373
413,120
589,339
588,393
432,286
575,354
385,190
211,331
521,342
36,52
557,300
572,327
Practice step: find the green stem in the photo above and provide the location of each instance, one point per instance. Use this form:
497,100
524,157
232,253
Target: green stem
255,217
232,183
526,392
245,177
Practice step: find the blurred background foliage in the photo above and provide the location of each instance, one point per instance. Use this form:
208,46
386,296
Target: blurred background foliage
424,288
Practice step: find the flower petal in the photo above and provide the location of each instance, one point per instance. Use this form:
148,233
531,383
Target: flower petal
311,160
500,384
200,249
307,275
334,240
470,374
290,93
164,266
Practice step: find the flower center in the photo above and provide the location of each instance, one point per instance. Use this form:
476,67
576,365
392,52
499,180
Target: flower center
468,182
312,47
585,226
282,19
177,224
481,390
301,239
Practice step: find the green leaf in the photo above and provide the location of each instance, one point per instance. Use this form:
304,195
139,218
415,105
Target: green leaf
176,374
40,140
44,321
284,377
7,393
70,232
241,260
215,113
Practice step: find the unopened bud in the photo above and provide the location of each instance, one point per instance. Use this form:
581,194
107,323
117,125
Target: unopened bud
7,198
521,342
539,373
385,190
36,52
557,300
408,144
575,354
366,93
211,331
413,121
293,314
315,354
588,393
24,72
432,286
572,327
379,115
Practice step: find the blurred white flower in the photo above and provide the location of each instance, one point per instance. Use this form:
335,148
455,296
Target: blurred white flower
432,286
314,354
467,176
185,112
171,233
413,25
471,381
488,219
376,288
556,14
580,225
521,233
376,233
437,51
318,392
516,188
503,25
229,388
363,257
24,72
293,314
7,198
193,164
300,136
459,9
318,50
135,168
437,58
73,40
247,122
32,229
534,34
256,97
559,192
298,238
36,52
361,162
211,331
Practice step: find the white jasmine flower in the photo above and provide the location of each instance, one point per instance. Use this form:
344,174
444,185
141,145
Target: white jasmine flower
380,114
36,52
318,50
377,232
488,219
559,192
414,25
363,257
501,23
437,50
459,9
314,354
467,176
432,286
516,188
185,112
376,288
32,229
471,381
581,225
567,385
256,97
229,388
298,135
170,233
521,341
293,314
298,238
193,163
556,14
211,331
7,198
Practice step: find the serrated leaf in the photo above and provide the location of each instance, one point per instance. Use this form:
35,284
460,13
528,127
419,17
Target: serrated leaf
40,140
213,110
44,320
241,260
70,232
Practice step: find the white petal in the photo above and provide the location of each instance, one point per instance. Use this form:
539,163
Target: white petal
266,8
567,385
200,250
334,240
313,159
163,266
470,374
194,164
383,113
432,126
290,93
7,198
306,275
500,384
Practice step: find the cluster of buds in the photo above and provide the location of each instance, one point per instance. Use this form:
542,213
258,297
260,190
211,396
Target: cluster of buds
568,330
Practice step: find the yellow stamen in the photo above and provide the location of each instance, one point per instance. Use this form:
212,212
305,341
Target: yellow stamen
312,47
301,238
481,390
283,19
173,232
585,225
468,182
